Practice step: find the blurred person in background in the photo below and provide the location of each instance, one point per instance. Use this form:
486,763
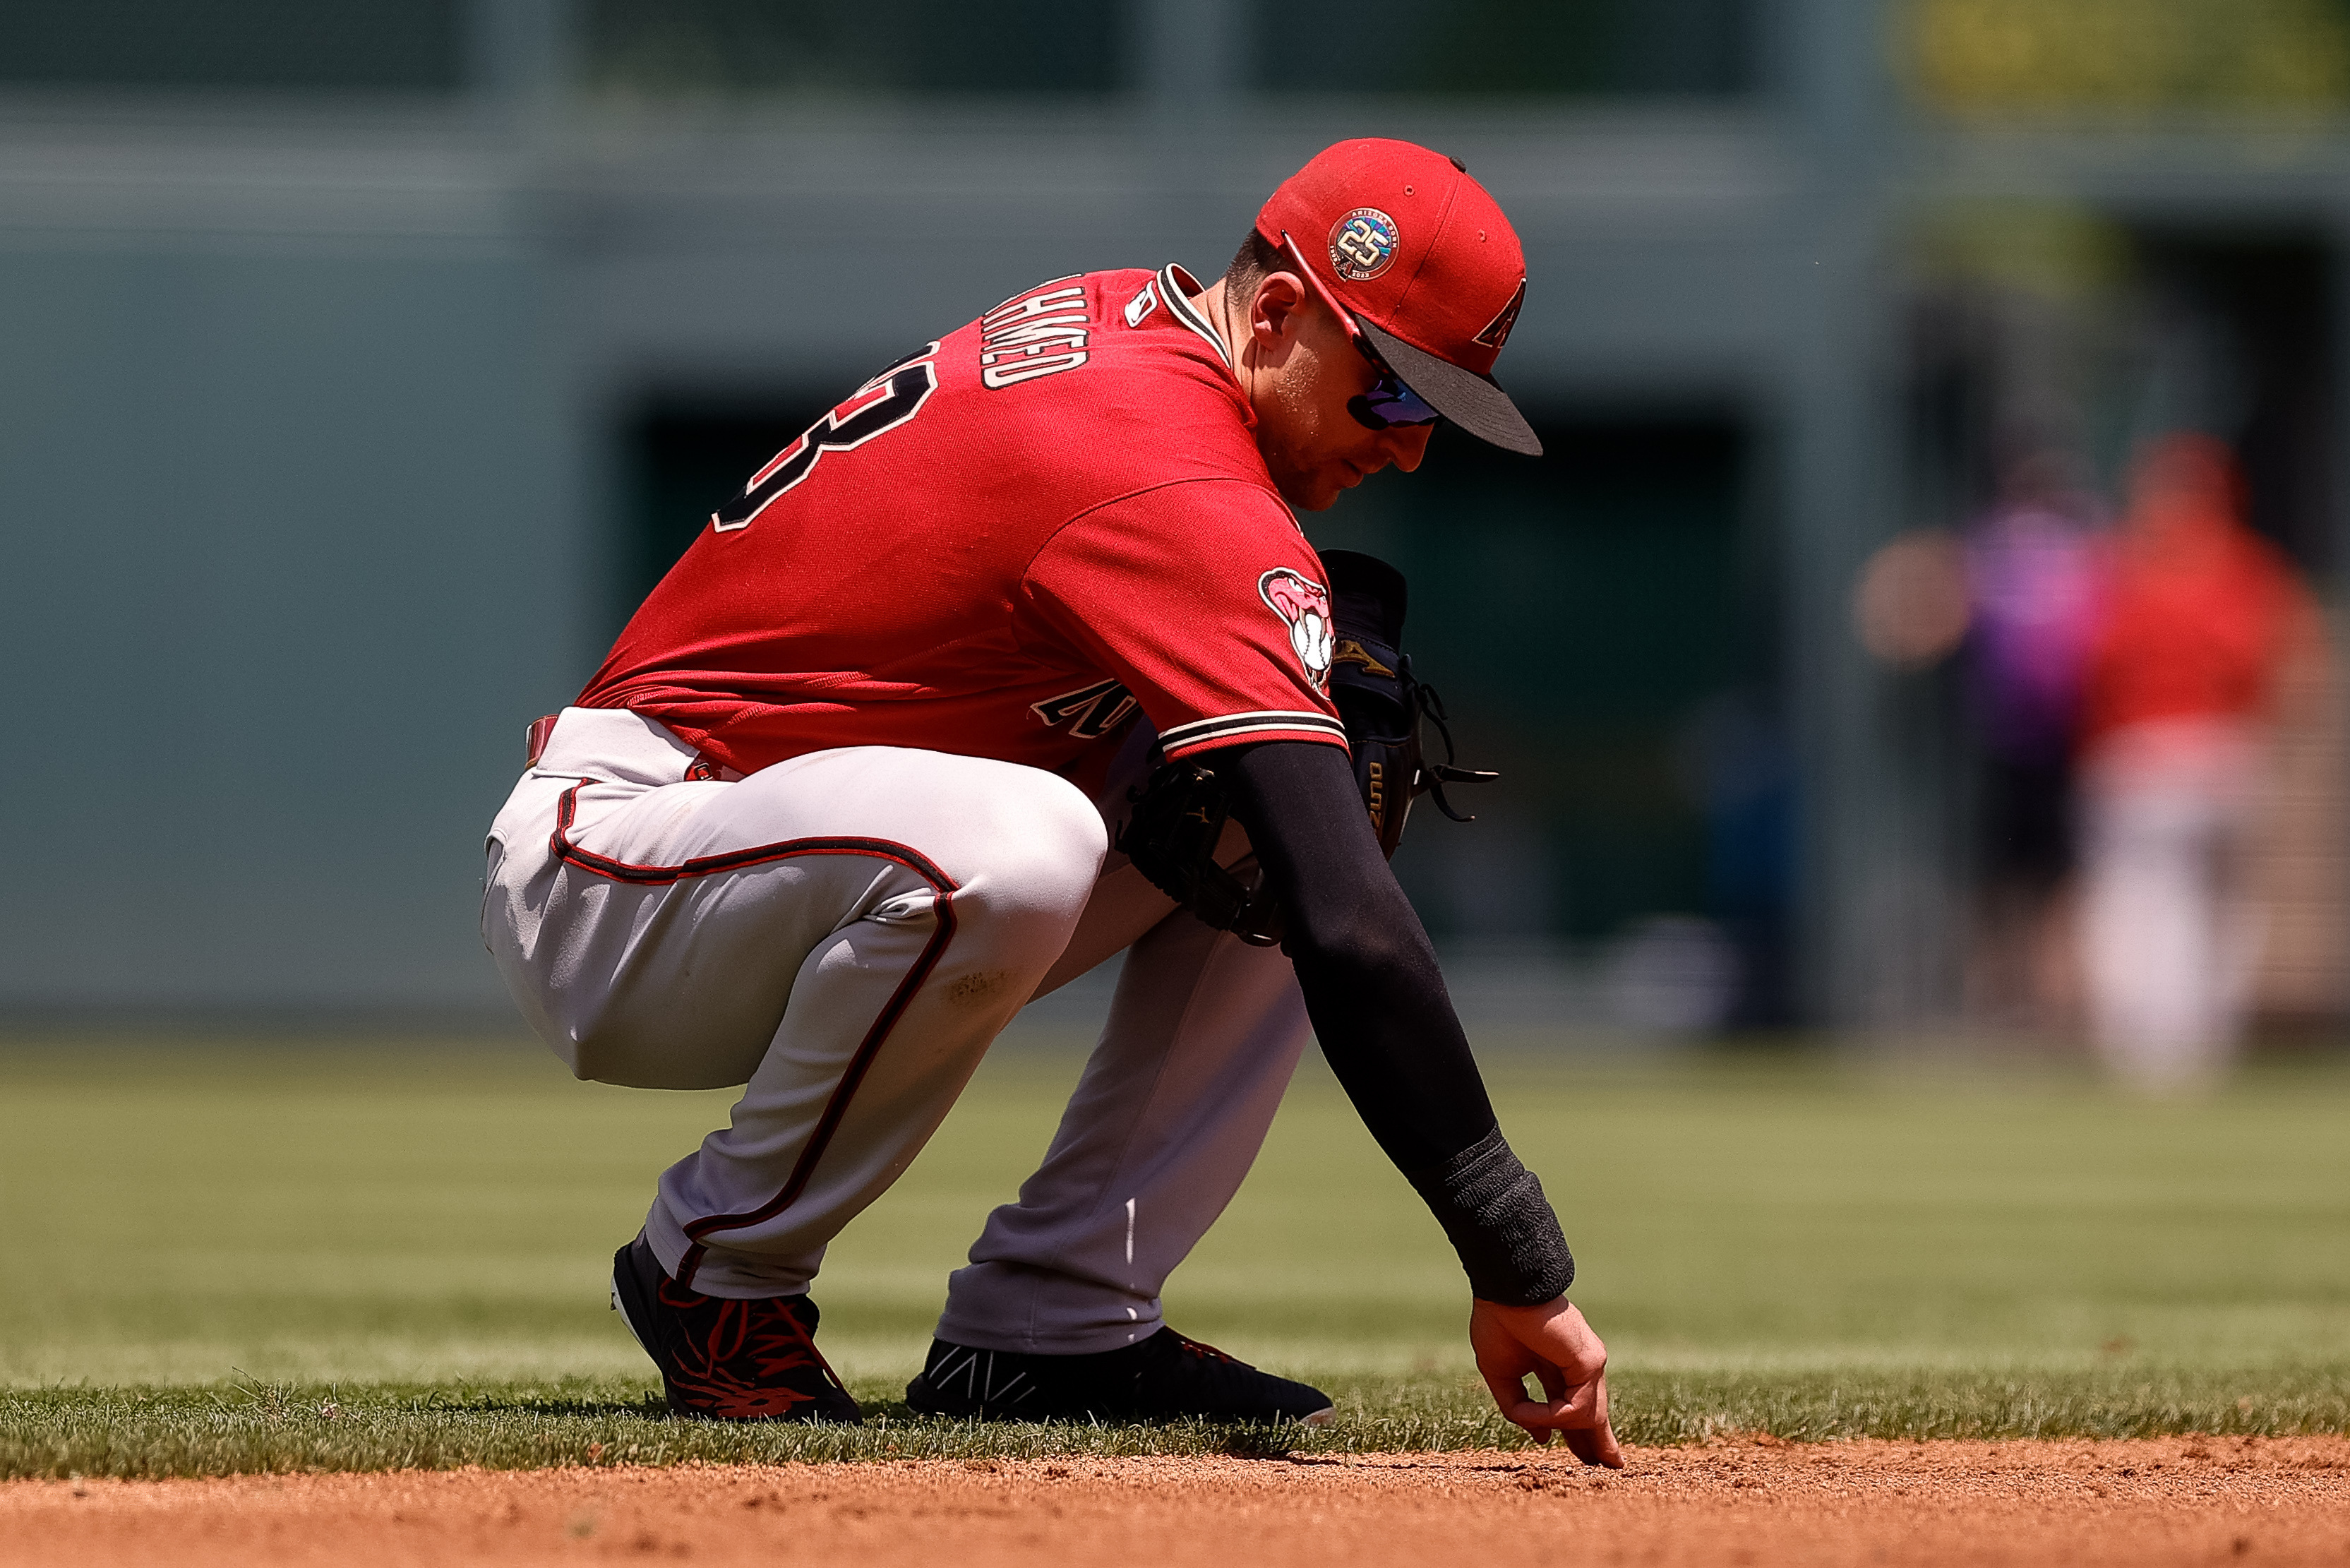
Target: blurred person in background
2014,596
2198,617
2031,585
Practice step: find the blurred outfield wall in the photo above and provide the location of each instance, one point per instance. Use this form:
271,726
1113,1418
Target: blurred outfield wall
361,363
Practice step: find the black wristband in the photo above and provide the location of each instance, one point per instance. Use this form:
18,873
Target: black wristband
1494,1212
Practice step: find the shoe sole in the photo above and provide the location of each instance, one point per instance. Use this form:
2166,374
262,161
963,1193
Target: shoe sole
923,1401
1320,1418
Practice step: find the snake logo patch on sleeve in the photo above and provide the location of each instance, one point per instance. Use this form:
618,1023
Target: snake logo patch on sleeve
1304,606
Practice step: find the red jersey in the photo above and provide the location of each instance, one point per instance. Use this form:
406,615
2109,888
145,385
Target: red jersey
1002,546
2195,631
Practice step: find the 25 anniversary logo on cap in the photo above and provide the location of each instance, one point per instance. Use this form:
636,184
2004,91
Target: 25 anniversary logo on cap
1363,244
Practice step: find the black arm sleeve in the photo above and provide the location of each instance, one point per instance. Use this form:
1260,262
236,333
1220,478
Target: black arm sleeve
1378,1004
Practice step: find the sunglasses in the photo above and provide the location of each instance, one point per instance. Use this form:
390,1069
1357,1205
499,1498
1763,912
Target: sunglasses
1389,403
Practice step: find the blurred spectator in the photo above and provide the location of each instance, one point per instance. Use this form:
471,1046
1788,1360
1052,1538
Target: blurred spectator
2017,593
2031,580
2199,616
1909,607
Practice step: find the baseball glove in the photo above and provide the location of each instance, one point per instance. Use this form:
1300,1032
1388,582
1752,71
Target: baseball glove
1179,814
1382,704
1179,817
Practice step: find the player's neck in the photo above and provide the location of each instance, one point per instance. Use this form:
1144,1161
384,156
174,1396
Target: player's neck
1209,303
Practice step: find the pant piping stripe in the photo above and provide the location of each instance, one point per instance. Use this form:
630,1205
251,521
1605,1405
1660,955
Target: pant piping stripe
835,1108
605,866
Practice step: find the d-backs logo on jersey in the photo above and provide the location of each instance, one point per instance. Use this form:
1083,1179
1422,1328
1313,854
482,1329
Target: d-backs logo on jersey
1305,605
1089,711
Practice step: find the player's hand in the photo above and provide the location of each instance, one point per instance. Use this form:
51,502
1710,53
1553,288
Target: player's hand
1553,1343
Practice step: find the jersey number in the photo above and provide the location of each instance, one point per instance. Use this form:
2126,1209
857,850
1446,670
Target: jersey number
883,403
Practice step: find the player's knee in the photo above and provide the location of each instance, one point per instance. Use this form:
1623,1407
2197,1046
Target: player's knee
1035,859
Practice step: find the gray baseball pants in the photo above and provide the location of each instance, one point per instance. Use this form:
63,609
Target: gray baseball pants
843,935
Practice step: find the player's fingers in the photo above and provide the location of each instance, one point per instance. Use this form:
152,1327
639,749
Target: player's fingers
1579,1405
1537,1421
1611,1452
1506,1381
1546,1416
1595,1445
1582,1405
1598,1444
1568,1400
1593,1441
1507,1385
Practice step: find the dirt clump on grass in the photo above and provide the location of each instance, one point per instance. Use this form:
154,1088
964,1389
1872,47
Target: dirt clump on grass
1757,1503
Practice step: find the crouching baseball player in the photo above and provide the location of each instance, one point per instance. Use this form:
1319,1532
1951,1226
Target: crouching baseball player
1016,661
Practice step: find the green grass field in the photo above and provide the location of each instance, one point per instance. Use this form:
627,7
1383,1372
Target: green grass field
227,1259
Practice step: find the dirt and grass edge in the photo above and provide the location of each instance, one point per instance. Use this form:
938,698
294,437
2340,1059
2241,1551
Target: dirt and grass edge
245,1426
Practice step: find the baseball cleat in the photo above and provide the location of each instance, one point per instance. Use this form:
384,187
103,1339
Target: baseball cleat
1167,1377
725,1360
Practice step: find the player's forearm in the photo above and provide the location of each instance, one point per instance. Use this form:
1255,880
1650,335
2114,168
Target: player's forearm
1393,1041
1378,1004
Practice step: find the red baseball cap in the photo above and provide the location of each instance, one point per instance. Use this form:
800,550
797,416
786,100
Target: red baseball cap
1422,258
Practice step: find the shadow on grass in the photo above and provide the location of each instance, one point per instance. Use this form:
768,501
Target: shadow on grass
1261,1442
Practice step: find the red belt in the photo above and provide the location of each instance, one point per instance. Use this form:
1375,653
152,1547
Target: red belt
544,726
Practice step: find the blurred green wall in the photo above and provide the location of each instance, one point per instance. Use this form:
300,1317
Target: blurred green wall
288,537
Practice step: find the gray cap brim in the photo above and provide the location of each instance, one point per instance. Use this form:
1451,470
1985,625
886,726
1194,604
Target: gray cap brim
1476,403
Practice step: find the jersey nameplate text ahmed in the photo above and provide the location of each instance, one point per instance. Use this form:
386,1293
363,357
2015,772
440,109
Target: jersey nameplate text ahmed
1040,333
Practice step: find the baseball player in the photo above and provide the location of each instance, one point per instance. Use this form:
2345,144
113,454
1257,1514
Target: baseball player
861,778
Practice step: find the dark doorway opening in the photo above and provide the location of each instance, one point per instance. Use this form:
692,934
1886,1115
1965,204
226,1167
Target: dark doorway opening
2243,325
1602,622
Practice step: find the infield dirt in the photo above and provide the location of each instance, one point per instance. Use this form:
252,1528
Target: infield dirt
2158,1501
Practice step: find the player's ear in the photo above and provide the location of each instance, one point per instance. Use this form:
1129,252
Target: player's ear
1277,308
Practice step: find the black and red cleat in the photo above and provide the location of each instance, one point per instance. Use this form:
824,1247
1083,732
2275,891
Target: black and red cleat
1166,1378
725,1360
